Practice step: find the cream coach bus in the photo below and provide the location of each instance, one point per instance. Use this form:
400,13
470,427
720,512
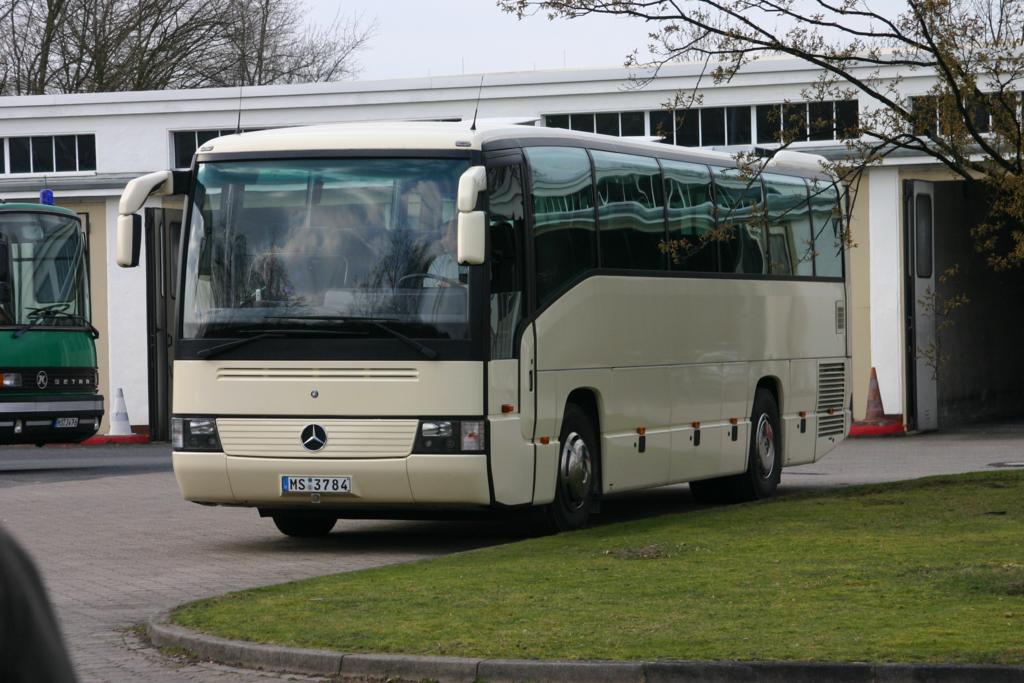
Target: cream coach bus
409,319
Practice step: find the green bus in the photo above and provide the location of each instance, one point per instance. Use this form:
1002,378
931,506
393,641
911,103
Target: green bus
49,384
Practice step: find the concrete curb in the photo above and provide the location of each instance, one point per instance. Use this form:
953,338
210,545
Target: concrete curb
467,670
107,439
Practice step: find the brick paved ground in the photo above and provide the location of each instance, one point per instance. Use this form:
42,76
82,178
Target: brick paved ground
114,550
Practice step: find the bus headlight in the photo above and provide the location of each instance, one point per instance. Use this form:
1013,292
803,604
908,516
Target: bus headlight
451,436
11,380
194,434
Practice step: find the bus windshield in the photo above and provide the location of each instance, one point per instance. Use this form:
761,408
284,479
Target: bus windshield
49,287
292,244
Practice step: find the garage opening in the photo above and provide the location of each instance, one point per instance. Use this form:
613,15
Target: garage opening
964,361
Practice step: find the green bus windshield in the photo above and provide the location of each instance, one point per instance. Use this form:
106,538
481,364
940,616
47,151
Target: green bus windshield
49,287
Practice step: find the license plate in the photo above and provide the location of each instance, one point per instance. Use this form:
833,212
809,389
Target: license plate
303,484
64,422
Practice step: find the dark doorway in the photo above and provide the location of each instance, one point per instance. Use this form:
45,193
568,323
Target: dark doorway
163,235
972,356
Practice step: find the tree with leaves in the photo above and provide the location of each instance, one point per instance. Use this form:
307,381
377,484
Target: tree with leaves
971,51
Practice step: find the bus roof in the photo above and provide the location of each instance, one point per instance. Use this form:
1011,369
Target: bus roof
457,136
11,207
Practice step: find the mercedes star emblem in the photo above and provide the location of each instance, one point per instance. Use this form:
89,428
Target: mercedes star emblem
314,437
42,379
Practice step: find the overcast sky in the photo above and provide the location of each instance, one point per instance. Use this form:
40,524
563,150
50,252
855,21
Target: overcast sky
449,37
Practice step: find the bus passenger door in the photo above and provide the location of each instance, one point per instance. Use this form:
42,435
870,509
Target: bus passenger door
510,371
163,238
922,353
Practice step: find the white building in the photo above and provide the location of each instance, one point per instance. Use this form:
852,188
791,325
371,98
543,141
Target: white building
86,147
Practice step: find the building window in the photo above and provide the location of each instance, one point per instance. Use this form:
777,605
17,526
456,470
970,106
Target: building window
184,143
717,126
801,121
737,122
582,122
661,126
557,121
688,127
626,123
712,126
632,123
769,123
50,154
607,124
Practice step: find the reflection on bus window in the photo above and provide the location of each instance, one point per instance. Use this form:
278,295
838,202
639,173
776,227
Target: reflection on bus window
630,211
828,244
691,220
789,225
563,203
742,245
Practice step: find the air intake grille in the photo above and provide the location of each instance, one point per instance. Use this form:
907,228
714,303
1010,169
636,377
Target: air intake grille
831,394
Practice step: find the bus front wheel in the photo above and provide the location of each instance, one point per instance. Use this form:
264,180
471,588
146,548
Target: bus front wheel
304,525
576,484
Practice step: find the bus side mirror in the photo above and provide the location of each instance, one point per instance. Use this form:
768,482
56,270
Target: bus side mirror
5,293
129,240
471,183
134,196
472,238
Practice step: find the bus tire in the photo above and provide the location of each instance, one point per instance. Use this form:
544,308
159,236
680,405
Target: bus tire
304,525
576,484
764,456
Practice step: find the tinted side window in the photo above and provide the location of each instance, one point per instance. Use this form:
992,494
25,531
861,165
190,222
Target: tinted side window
789,225
563,203
691,221
741,241
630,214
828,245
505,201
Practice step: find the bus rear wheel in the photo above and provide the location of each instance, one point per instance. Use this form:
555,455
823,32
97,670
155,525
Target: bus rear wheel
764,458
304,525
576,485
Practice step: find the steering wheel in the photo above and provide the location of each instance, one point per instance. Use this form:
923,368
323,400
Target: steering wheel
440,278
34,313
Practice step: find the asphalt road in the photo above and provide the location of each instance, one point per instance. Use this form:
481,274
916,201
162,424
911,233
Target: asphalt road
116,543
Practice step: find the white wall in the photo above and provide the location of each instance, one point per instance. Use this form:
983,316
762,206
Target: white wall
126,321
886,271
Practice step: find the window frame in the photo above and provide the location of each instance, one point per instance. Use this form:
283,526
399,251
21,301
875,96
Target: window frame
6,169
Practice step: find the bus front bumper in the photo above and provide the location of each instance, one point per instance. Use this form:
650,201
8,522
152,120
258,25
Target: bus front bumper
416,479
49,419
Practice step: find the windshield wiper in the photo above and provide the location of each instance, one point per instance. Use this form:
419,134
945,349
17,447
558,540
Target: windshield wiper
380,324
242,341
41,314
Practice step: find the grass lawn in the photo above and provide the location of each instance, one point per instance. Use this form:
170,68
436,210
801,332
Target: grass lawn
925,571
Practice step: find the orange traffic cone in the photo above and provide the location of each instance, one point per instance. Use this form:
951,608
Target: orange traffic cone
875,412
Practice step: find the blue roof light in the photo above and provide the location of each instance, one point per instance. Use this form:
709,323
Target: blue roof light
46,197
